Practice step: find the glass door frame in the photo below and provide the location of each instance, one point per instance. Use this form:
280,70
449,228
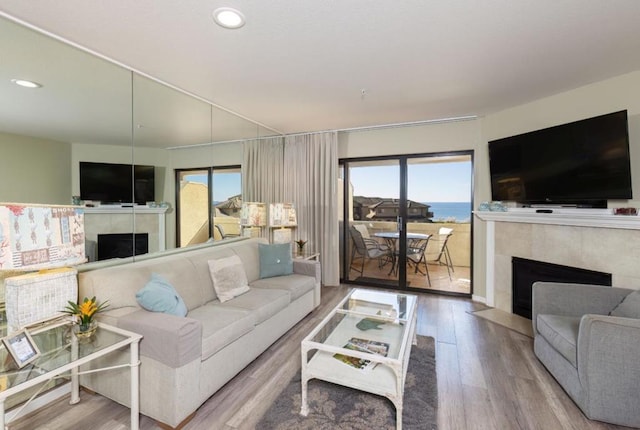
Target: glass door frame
209,172
402,159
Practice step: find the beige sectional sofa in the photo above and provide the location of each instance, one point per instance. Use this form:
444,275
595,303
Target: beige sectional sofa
184,360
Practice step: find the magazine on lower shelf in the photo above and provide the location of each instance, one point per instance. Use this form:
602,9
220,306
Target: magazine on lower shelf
363,345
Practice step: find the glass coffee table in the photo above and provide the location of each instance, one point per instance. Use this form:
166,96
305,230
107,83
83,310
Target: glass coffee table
61,354
364,343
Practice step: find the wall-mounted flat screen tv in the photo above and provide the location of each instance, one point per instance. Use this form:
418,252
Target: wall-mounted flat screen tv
582,163
117,183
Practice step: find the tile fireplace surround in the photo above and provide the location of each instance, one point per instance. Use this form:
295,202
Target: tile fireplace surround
592,239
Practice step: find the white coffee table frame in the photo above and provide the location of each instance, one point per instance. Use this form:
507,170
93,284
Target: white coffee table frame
130,339
386,379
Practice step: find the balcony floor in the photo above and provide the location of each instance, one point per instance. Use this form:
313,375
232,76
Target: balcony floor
460,281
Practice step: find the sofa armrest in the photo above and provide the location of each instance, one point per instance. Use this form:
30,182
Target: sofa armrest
307,267
169,339
310,268
608,367
559,298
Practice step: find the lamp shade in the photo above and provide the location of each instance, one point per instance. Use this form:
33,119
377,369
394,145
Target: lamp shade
253,214
282,215
36,237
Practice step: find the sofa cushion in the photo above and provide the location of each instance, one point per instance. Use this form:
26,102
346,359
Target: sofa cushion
172,340
562,334
229,278
221,325
248,252
275,259
262,303
158,295
200,260
297,285
629,307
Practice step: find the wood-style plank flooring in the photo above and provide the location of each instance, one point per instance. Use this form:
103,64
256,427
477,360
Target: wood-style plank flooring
488,378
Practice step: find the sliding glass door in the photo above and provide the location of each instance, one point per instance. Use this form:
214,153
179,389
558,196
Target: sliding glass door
372,197
209,203
408,222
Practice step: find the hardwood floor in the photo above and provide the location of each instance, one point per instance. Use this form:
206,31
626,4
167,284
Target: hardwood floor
488,378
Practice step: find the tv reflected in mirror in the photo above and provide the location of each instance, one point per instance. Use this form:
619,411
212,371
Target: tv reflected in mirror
111,183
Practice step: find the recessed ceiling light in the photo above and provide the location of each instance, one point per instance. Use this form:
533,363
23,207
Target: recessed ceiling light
228,17
25,83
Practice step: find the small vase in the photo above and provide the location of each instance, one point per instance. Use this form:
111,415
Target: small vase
84,332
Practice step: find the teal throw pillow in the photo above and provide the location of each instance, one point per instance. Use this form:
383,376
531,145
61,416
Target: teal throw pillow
160,296
275,260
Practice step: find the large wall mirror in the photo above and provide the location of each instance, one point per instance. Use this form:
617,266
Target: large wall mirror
90,111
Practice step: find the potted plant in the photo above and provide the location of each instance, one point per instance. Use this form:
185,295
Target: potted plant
301,243
83,314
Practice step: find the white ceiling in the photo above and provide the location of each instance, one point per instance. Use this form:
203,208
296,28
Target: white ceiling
301,65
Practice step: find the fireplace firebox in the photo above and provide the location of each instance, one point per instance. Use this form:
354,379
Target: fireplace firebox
526,272
122,245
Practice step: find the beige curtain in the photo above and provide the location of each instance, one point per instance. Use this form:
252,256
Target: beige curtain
262,172
310,182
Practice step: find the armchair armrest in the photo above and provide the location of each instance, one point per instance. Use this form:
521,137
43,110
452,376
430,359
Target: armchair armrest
169,339
559,298
608,349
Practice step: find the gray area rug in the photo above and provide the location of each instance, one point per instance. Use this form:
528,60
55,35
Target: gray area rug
335,407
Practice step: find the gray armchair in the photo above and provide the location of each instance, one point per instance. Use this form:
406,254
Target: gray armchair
594,356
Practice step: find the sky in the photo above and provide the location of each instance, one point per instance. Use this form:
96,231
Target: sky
225,185
432,182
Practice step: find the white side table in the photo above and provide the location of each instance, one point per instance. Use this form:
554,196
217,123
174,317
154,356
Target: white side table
61,352
306,255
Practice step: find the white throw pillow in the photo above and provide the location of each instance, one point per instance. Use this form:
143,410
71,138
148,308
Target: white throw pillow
229,278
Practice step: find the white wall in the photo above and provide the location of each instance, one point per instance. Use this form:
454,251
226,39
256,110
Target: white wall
34,170
428,138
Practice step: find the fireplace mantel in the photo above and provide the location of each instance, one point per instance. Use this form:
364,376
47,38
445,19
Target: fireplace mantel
603,218
591,241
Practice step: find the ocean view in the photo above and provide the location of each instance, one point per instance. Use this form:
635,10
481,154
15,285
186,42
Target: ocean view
450,211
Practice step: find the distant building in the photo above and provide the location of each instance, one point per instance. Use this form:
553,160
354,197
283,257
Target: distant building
383,209
231,206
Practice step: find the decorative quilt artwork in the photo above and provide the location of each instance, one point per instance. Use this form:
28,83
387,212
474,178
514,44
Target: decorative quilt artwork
282,215
253,214
35,237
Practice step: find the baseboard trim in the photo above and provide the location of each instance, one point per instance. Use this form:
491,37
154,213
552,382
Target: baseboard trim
479,299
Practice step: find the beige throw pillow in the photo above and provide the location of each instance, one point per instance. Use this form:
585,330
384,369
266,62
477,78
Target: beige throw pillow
229,278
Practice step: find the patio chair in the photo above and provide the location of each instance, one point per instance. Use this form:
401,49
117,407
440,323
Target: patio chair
367,248
218,232
444,234
439,251
416,255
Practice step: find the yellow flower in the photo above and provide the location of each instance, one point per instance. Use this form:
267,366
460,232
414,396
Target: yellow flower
85,310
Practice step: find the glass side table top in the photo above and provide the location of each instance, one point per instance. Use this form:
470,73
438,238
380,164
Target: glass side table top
380,318
55,345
